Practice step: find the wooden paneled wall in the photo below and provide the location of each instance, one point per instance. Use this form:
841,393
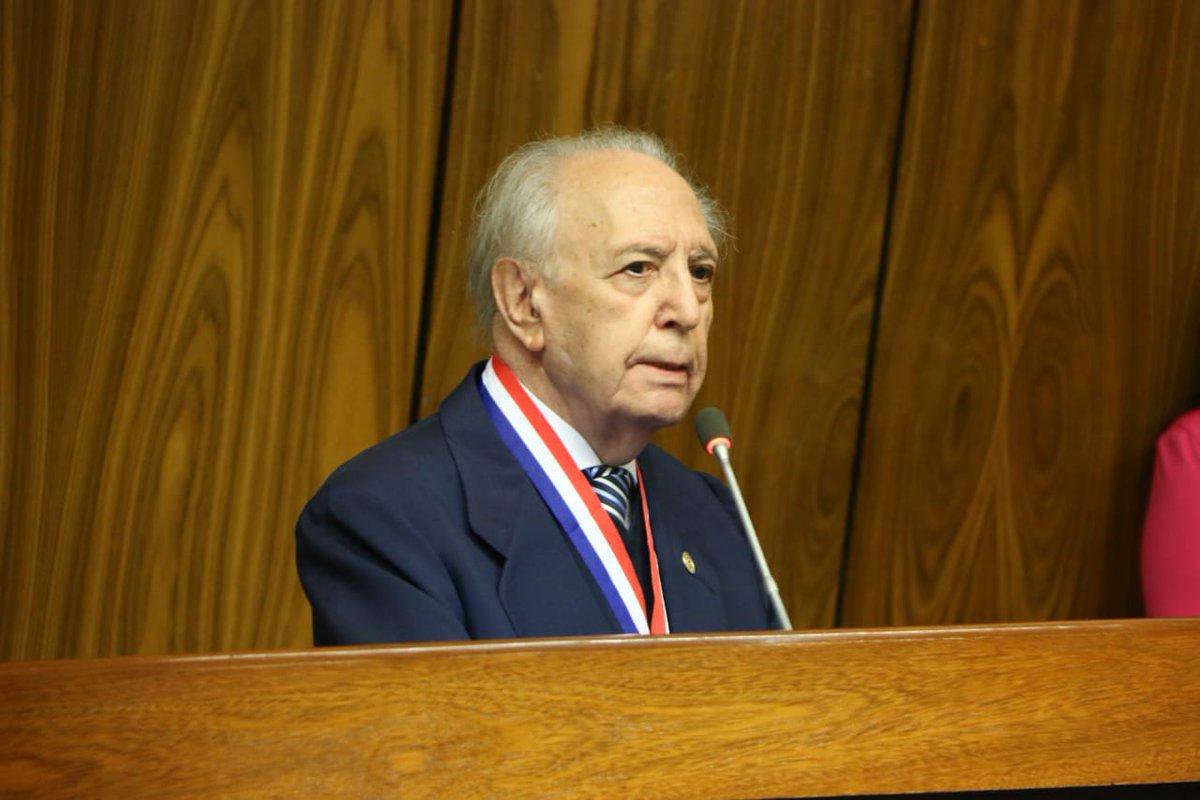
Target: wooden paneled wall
1040,319
215,220
964,296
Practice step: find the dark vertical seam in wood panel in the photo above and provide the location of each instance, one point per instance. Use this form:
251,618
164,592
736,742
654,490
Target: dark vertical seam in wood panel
435,214
873,340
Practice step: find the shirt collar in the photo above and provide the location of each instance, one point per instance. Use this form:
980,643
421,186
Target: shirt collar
573,440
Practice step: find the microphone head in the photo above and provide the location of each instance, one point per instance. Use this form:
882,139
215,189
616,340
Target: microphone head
713,428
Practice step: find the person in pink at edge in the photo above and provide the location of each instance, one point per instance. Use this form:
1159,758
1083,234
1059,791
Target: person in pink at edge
1171,535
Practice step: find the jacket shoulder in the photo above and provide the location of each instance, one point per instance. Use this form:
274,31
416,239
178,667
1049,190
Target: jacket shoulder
1184,429
666,464
417,454
1177,451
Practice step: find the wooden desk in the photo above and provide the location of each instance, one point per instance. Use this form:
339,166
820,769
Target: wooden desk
824,713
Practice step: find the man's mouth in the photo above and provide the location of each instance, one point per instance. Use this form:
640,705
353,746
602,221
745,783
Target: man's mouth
675,367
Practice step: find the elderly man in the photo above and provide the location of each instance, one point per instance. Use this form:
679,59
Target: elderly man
531,503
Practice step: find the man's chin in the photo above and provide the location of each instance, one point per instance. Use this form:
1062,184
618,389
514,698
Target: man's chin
664,413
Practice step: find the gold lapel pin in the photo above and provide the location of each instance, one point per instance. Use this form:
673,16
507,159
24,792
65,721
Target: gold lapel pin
688,562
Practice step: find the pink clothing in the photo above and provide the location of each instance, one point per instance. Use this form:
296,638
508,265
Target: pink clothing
1171,536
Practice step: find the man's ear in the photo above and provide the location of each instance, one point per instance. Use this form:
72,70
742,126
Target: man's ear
513,284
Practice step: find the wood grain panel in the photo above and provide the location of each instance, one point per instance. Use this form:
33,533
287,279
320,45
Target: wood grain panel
1041,319
788,112
214,221
848,712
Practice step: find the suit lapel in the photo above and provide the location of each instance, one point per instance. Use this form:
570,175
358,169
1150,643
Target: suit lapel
544,587
692,598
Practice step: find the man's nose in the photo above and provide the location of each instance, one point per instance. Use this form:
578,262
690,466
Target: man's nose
679,305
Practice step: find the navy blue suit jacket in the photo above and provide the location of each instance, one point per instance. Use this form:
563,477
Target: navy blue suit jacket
436,533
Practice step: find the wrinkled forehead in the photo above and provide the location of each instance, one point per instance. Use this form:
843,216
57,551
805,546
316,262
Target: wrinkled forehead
611,198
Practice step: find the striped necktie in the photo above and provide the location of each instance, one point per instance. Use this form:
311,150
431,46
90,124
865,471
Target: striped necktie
613,486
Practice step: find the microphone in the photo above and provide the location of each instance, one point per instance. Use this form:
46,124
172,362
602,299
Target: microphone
714,433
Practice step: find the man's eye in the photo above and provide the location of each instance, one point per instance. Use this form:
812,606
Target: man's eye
638,268
702,272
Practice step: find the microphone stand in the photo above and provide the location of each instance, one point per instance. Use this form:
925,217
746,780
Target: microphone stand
721,451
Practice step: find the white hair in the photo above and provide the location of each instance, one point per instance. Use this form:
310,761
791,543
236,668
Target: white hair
516,211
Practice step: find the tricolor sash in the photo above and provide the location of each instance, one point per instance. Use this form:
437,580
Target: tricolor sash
571,499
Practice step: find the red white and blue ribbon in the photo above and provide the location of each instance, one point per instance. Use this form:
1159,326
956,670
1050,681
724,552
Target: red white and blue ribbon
572,500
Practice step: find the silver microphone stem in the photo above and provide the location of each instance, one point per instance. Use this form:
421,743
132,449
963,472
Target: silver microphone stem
722,454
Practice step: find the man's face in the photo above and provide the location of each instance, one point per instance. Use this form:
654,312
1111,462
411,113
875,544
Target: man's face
627,311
